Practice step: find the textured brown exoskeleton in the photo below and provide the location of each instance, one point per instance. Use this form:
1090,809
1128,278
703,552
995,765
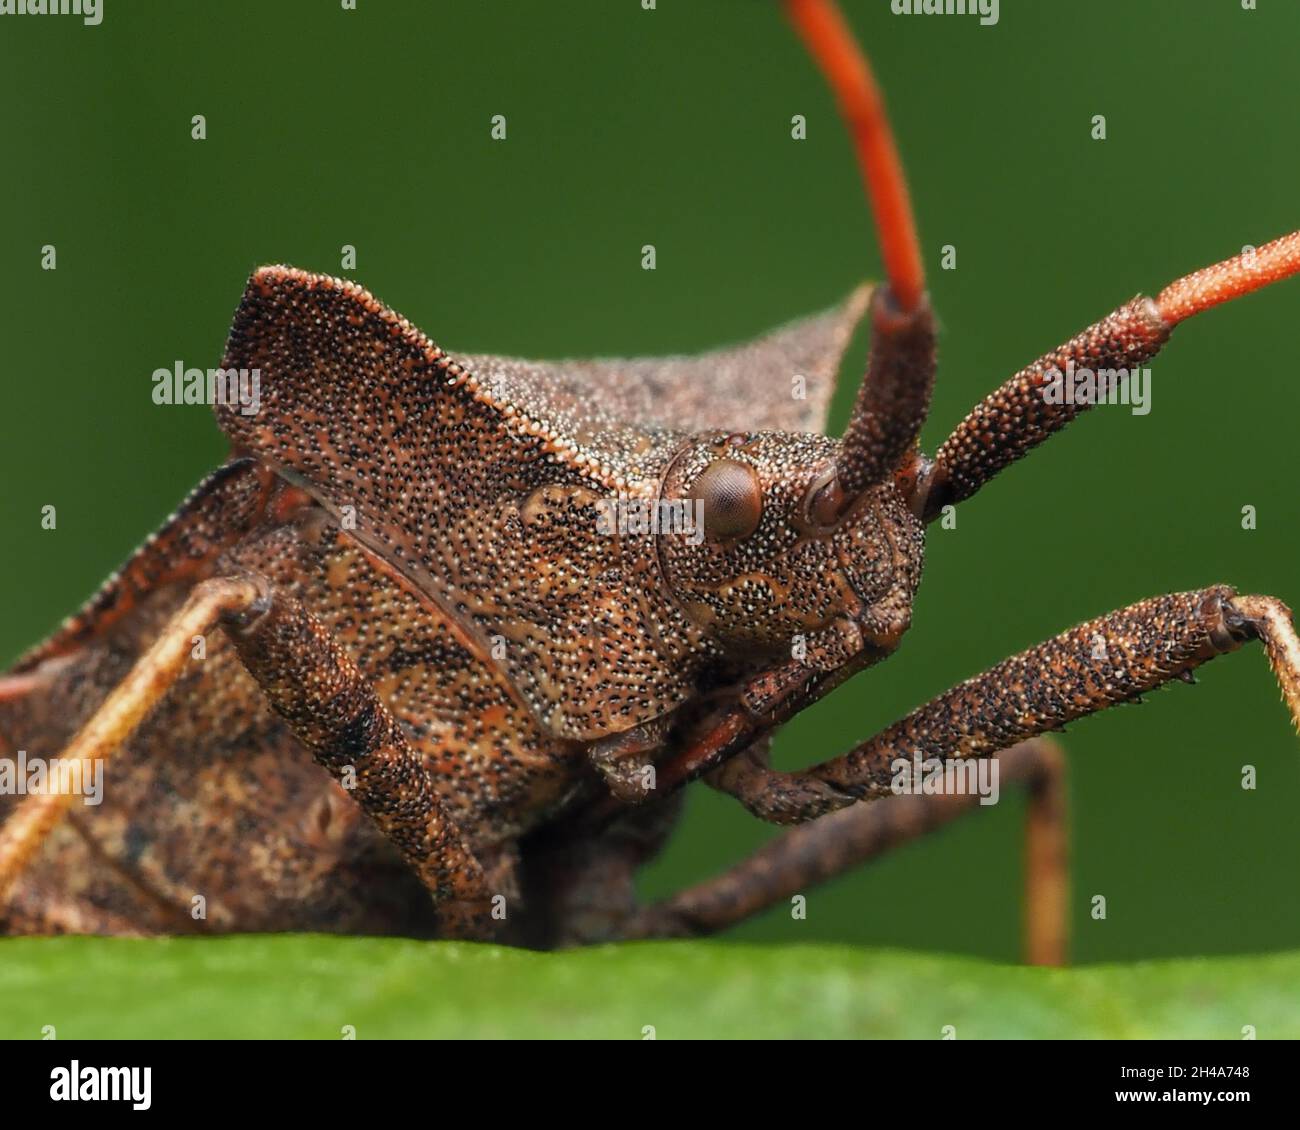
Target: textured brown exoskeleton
399,646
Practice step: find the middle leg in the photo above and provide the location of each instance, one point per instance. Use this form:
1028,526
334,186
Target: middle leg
813,853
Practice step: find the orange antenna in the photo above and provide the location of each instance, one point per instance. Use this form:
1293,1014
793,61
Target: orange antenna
1252,269
832,45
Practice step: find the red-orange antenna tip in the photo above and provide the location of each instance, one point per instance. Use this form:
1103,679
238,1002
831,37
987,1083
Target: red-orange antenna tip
1232,278
832,45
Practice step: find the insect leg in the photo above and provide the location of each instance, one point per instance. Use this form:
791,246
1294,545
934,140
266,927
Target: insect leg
1101,663
316,688
626,760
769,699
1019,415
123,709
803,857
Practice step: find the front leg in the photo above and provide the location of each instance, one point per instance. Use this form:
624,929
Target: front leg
317,689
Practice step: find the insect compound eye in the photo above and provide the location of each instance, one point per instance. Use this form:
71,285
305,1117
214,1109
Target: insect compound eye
732,499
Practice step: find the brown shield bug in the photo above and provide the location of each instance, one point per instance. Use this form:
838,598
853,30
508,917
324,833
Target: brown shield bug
511,608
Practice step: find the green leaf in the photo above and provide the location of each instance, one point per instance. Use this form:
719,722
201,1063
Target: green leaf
312,986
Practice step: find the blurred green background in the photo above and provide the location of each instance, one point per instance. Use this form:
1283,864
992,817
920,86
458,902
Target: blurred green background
371,127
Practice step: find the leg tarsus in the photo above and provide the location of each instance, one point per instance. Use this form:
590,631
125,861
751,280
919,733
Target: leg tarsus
1269,620
626,760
